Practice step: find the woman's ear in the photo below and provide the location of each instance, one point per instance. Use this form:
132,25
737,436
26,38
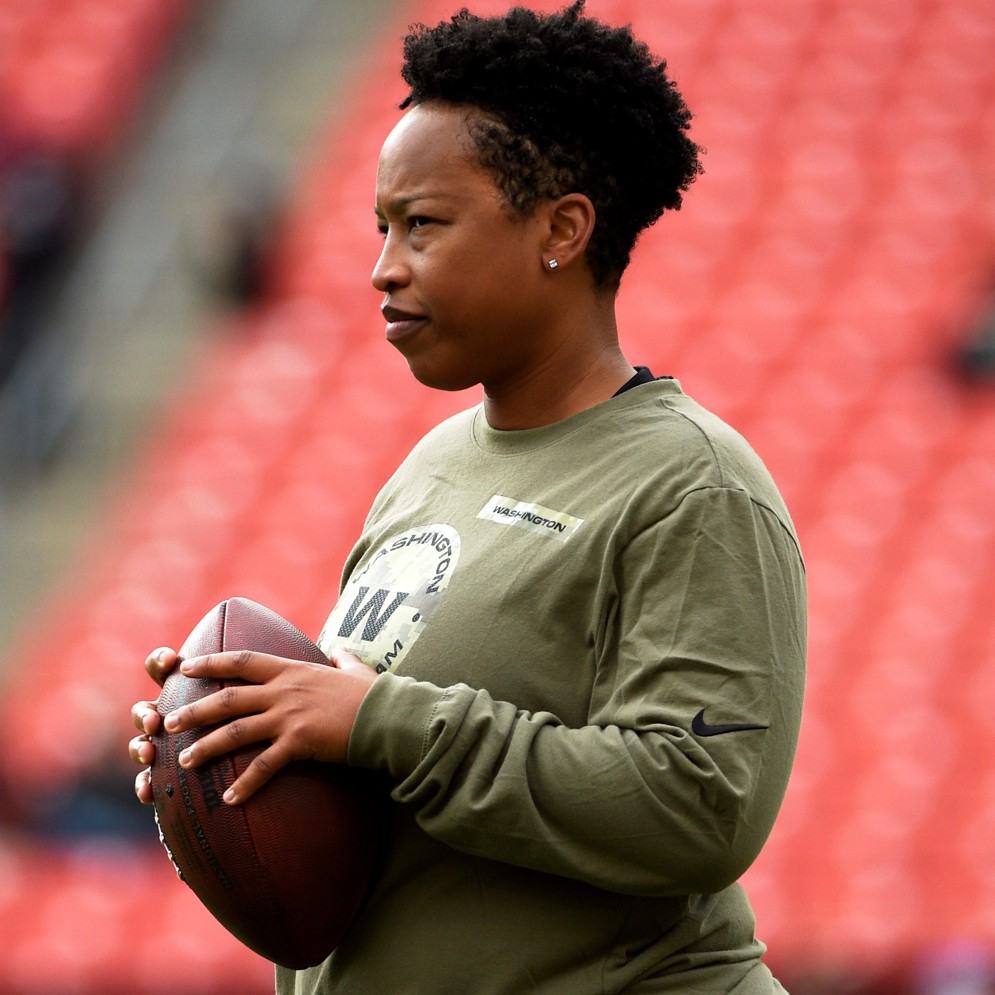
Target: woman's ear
570,225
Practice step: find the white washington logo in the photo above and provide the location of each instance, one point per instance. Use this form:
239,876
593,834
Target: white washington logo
385,606
532,517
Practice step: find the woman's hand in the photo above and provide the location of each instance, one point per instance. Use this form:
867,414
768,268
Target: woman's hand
145,717
302,710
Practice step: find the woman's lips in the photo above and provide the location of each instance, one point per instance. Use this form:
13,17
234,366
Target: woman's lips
400,324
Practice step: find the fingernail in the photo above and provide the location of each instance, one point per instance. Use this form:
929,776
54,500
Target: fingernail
230,797
184,758
171,721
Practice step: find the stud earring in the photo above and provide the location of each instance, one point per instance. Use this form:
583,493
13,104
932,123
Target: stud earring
553,264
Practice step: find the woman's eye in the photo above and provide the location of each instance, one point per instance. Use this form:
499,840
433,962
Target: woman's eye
414,223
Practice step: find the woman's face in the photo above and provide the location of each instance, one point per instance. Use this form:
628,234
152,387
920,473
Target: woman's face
462,277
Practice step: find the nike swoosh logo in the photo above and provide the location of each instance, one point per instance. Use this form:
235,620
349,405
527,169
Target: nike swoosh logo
701,728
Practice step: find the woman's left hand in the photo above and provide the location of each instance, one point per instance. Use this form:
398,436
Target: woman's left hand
305,710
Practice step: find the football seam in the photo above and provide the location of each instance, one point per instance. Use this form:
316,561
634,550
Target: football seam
262,871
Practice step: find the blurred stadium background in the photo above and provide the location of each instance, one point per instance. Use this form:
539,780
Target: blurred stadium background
195,402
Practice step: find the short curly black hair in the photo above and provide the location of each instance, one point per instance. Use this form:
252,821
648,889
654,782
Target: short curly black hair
568,105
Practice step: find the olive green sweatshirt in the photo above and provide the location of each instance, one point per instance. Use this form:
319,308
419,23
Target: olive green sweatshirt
592,642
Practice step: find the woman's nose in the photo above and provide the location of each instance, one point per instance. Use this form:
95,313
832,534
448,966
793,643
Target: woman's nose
390,269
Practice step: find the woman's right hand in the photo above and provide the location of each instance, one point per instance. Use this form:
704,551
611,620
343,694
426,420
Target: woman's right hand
145,717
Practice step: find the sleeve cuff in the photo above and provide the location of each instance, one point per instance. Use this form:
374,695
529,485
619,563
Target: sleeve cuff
390,728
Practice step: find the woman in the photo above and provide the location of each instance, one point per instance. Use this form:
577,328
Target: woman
572,633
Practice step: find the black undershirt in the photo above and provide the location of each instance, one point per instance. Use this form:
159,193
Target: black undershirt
642,375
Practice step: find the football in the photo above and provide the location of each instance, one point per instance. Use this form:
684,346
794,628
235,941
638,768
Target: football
286,871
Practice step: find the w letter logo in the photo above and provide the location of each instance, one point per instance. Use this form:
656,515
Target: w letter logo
390,596
372,610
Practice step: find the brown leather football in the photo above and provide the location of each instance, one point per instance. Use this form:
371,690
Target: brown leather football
286,871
